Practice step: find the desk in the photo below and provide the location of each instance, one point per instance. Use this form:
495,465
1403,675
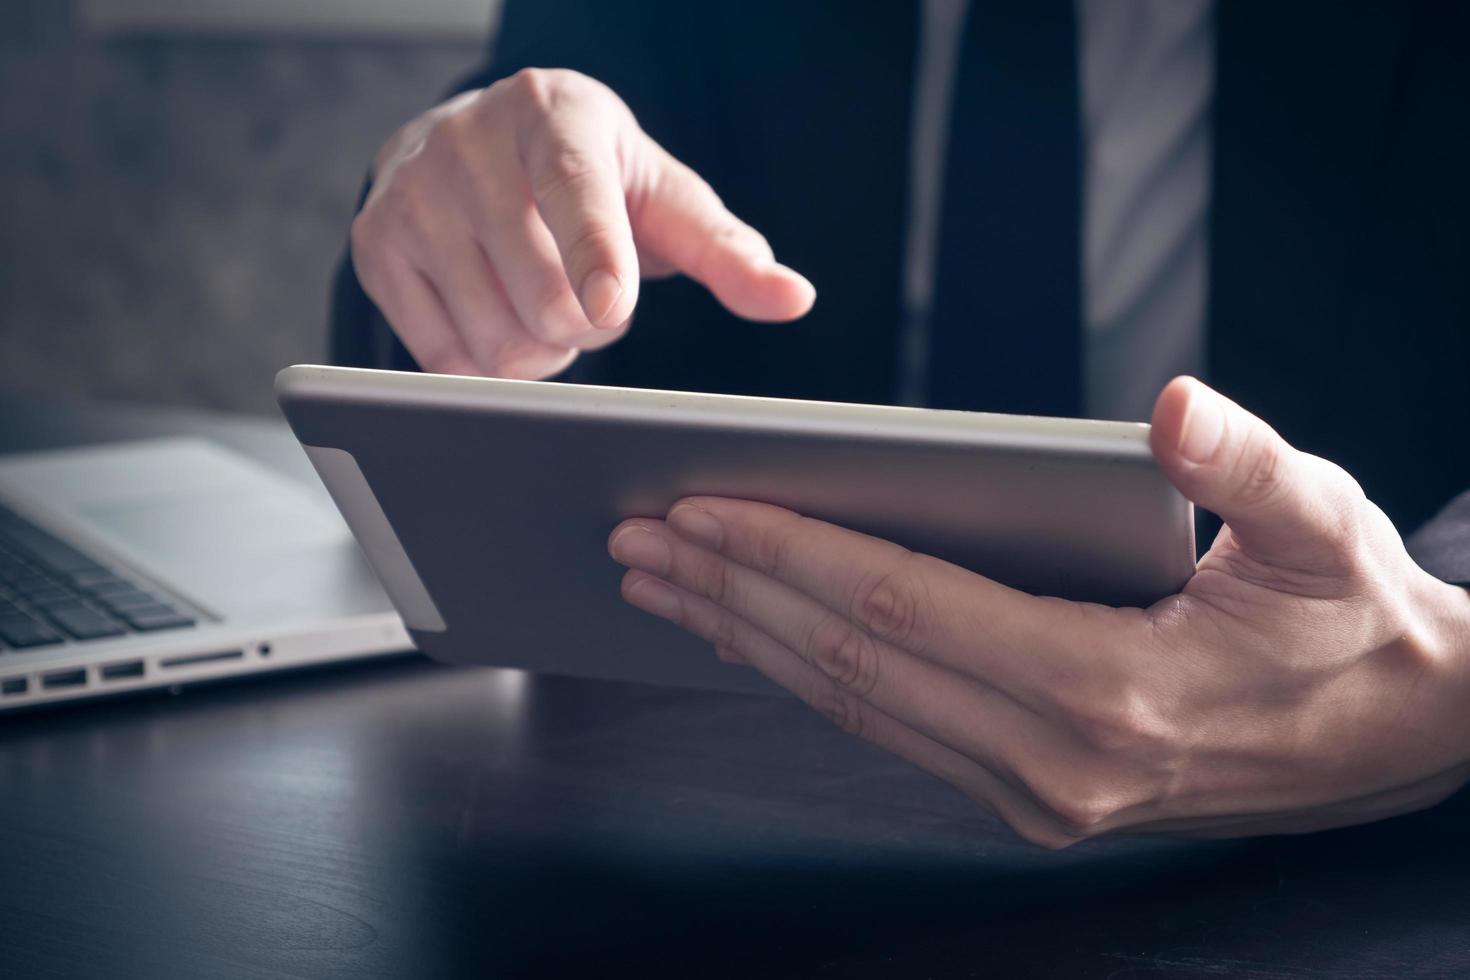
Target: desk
404,819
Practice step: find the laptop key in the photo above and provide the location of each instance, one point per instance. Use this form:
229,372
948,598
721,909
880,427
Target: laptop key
46,583
132,599
22,631
159,617
38,545
116,586
31,582
66,601
84,623
47,551
50,593
90,578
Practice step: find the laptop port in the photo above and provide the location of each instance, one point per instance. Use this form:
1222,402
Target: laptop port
202,658
123,671
64,678
14,685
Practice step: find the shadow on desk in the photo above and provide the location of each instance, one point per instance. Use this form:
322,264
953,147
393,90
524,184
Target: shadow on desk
410,820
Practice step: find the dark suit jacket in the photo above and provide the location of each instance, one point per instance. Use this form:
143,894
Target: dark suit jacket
1340,238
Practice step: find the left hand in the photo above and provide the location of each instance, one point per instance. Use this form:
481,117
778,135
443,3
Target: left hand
1309,675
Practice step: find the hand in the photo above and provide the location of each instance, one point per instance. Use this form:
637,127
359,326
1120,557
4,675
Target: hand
507,229
1308,676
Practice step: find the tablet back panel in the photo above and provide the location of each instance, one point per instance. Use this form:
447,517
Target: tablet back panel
485,505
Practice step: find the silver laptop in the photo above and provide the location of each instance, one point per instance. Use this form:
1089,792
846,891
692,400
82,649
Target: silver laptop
169,561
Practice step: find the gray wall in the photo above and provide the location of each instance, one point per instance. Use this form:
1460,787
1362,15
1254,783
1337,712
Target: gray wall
171,208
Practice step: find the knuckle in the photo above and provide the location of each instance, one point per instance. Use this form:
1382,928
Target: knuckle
673,176
1080,808
551,296
534,86
595,242
496,350
1349,514
564,170
1348,489
1263,479
450,136
1125,722
1044,834
713,579
847,656
558,317
405,208
364,243
724,634
362,234
891,605
768,547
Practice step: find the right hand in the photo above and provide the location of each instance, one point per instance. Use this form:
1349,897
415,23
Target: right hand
508,228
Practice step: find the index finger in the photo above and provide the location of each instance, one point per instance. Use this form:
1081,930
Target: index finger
573,172
1022,644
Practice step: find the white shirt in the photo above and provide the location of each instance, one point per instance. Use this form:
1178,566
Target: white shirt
1147,73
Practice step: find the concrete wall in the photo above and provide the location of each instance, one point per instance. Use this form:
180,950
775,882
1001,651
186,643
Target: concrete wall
171,207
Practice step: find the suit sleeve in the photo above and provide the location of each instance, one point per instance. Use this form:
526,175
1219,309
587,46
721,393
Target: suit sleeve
1442,546
645,50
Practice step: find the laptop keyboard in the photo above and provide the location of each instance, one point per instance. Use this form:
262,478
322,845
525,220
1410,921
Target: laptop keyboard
52,593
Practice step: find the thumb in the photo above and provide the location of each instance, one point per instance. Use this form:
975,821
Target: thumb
682,221
1283,506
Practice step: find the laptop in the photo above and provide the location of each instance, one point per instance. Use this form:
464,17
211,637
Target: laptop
164,562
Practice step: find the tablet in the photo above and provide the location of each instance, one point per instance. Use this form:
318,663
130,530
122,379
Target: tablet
485,505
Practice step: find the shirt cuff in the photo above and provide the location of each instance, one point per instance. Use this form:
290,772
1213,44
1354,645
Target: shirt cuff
1442,546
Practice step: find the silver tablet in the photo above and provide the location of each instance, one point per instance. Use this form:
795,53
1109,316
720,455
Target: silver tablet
485,505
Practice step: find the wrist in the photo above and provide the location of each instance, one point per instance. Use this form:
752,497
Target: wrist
1433,650
1446,633
1449,607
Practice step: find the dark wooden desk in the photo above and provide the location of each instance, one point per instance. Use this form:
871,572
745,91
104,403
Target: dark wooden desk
402,819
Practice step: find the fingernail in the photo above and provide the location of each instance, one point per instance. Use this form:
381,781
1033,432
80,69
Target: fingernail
600,293
656,598
1204,426
698,525
640,548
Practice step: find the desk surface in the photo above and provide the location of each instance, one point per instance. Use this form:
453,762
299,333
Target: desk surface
405,819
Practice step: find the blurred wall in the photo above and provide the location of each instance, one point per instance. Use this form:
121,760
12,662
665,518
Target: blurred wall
171,207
